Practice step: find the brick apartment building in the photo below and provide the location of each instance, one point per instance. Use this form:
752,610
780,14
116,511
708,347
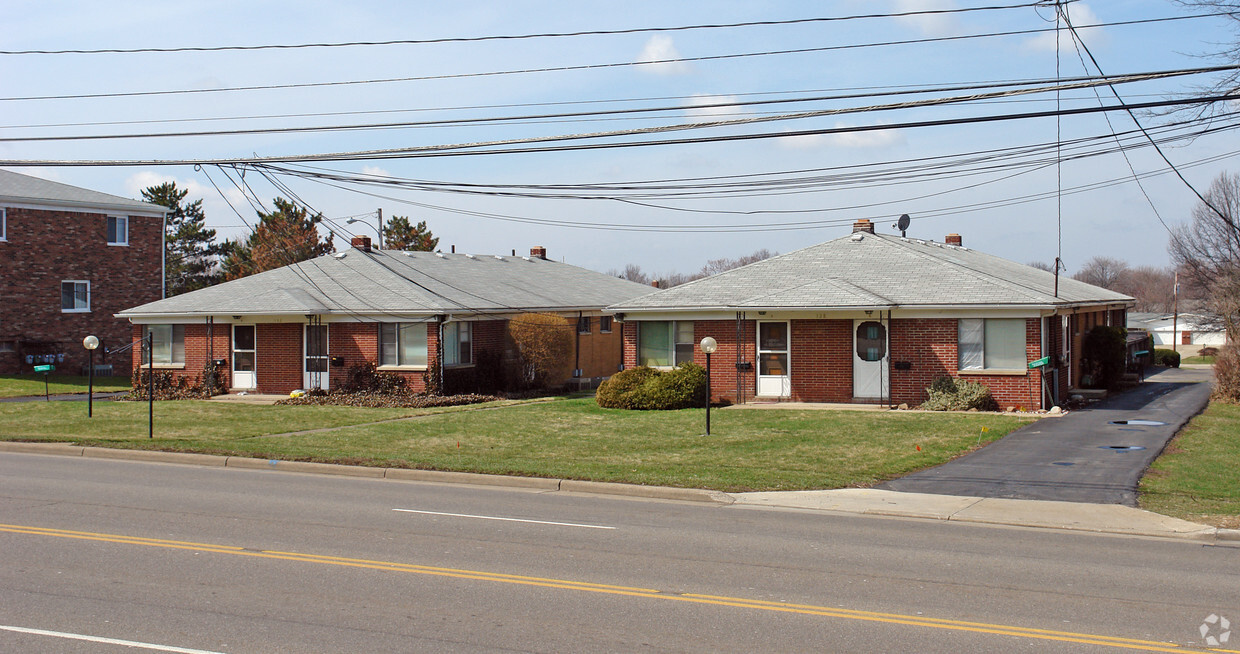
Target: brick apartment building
70,258
870,318
426,316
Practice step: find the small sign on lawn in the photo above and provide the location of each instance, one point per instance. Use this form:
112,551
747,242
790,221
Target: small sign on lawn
46,368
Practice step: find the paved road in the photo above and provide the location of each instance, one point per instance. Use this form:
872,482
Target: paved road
1080,457
66,397
231,560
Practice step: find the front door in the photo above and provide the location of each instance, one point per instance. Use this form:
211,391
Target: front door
315,371
774,378
871,377
244,356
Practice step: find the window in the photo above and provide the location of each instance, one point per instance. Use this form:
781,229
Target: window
402,344
8,346
583,325
74,296
167,344
991,344
4,224
663,343
118,230
457,348
604,324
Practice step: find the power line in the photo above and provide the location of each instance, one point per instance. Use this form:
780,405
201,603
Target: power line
517,37
623,64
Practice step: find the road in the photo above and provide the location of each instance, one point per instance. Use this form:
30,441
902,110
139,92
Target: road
162,557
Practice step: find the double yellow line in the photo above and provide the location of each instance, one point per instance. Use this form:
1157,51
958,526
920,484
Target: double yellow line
650,593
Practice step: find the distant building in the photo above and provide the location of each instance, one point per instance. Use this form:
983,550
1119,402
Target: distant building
70,258
1187,334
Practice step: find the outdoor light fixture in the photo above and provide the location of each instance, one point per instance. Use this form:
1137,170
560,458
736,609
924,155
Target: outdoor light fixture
708,346
90,343
378,228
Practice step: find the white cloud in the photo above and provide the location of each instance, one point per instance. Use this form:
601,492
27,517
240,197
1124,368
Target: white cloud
929,24
697,106
879,138
1080,14
214,207
661,48
375,171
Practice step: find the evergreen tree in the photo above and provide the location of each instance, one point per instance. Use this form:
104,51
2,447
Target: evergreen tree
191,248
284,236
400,234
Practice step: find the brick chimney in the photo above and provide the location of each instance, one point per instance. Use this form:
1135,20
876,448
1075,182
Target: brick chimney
655,283
538,252
863,225
362,243
954,239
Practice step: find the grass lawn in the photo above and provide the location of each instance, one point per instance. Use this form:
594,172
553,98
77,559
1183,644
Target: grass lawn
1197,477
1209,360
21,385
782,449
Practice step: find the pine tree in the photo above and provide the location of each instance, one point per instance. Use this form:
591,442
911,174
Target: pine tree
400,234
192,256
284,236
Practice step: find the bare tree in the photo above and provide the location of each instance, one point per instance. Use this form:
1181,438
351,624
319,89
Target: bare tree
634,273
1207,252
716,266
1041,265
1228,81
1151,286
1102,271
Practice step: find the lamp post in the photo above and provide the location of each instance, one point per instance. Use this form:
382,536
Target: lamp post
378,228
709,346
90,343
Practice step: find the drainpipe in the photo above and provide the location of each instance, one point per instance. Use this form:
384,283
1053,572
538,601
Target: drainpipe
577,346
163,258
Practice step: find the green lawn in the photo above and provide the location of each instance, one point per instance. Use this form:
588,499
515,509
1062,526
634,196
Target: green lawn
781,449
1197,477
21,385
1209,360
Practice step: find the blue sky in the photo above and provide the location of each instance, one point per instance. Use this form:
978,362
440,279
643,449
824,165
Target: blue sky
1012,213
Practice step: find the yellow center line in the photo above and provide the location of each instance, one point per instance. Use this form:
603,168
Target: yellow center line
566,584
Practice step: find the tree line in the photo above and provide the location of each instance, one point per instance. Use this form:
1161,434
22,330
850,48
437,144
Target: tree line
286,235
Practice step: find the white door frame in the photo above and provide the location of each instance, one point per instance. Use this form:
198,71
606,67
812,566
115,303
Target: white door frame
307,377
872,379
244,379
775,385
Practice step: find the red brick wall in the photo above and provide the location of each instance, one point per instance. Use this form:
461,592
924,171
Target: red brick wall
278,360
723,373
929,345
822,360
47,247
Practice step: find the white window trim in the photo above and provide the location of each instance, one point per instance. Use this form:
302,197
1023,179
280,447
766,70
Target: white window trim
125,242
396,334
984,370
672,345
172,364
75,281
444,348
4,224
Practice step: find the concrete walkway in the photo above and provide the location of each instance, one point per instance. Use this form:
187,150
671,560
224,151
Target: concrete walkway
1089,455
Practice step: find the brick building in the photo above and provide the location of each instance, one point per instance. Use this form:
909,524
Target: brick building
70,258
871,318
433,318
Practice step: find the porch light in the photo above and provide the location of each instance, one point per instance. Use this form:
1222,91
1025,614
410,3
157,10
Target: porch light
90,343
708,346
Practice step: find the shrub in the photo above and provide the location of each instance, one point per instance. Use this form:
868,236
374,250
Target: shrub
545,342
1227,374
1103,354
170,386
947,394
366,378
645,388
1169,358
1207,351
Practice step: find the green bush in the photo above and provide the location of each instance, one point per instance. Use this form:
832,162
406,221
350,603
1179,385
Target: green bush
1169,358
644,388
947,394
1103,354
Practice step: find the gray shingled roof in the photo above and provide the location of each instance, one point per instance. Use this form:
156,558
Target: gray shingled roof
16,188
875,271
403,283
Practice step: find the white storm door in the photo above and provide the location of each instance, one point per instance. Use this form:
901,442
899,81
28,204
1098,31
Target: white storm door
774,377
314,373
244,357
871,374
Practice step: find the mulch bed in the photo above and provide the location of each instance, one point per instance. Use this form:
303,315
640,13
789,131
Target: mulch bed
388,400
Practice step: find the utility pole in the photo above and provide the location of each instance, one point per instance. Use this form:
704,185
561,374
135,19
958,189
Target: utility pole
1175,317
380,210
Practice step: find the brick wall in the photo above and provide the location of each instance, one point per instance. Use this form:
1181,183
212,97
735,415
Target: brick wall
598,353
47,247
822,360
929,346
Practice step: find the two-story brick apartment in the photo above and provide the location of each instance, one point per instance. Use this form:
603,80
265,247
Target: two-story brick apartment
71,258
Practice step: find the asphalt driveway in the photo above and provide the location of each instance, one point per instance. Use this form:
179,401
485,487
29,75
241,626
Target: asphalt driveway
1090,455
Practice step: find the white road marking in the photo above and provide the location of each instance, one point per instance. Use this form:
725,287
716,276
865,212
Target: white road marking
109,641
489,517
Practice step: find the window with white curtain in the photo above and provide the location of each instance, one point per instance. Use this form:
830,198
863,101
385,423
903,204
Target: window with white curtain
991,344
402,344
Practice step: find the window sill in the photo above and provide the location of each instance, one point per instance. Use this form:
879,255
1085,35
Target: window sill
401,368
75,310
166,366
123,245
454,366
996,372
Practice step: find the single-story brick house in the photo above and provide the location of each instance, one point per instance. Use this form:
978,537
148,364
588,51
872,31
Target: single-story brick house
430,317
870,318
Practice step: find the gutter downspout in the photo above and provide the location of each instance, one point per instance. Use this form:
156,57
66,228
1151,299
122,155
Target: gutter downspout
577,346
163,258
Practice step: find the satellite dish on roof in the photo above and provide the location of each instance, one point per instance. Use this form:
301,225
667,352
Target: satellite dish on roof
902,225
